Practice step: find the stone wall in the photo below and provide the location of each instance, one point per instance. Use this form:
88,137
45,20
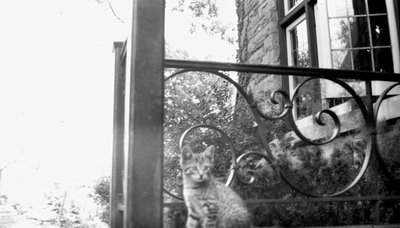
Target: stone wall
258,30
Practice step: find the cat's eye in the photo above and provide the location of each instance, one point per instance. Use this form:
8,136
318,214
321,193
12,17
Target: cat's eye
190,169
206,168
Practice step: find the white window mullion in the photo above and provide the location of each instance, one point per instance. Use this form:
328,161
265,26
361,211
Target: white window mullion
393,35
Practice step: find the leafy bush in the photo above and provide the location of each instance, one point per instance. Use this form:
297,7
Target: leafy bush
102,197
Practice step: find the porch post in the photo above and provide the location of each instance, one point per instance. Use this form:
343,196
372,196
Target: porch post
143,199
116,217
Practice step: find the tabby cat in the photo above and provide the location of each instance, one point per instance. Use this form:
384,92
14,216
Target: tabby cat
210,203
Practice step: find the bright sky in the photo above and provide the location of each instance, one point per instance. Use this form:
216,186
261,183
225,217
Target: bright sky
56,90
56,86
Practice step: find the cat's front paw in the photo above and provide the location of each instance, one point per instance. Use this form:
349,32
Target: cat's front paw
210,208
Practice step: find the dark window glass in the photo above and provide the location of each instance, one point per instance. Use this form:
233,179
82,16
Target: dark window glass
293,38
337,8
356,7
362,60
340,37
359,32
299,40
377,6
383,60
380,30
293,3
341,60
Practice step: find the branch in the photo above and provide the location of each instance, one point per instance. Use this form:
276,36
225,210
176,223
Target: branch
112,10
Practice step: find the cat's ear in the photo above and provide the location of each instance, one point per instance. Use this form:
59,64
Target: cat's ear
187,153
209,152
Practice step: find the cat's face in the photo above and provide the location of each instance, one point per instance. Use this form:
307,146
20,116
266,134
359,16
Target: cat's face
196,168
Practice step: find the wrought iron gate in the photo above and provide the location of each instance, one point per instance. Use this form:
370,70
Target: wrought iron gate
137,186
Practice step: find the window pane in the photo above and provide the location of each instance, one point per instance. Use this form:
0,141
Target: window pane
359,32
377,6
356,7
383,59
299,40
339,30
293,38
341,60
362,60
302,58
380,30
337,8
302,39
293,3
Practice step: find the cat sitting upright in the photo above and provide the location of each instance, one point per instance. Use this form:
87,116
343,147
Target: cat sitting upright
210,203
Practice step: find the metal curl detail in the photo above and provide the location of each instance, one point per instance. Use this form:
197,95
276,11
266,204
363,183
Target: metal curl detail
366,117
223,135
332,114
172,195
238,177
381,98
276,169
248,97
318,119
227,78
225,138
288,106
376,112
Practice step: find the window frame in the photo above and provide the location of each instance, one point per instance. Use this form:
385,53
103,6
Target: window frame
289,41
312,11
289,53
325,49
324,39
288,9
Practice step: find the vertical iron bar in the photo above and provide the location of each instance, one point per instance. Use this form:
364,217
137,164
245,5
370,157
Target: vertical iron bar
373,172
283,45
143,203
116,216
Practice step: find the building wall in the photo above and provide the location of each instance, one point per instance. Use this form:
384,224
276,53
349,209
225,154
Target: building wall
258,29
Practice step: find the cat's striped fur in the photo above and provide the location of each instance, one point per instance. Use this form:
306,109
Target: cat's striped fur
210,203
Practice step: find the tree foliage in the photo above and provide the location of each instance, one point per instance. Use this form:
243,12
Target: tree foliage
102,197
206,17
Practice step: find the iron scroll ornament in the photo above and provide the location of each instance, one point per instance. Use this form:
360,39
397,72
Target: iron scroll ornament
377,149
287,110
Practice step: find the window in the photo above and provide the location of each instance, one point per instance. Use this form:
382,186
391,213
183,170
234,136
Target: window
299,55
348,34
359,35
356,35
299,45
290,4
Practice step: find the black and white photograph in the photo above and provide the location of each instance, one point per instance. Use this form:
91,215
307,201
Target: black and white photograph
200,114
